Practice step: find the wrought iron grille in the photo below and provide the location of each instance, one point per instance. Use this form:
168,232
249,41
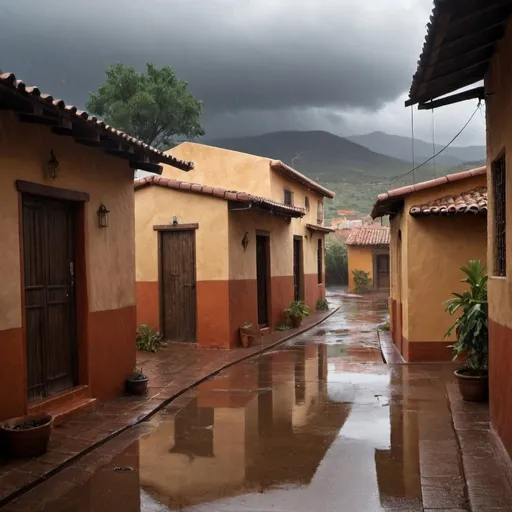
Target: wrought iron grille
500,216
288,197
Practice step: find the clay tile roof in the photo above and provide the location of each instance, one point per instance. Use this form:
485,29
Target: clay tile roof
291,173
388,201
471,202
11,87
369,235
263,203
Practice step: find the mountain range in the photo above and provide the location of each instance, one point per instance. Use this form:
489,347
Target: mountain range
358,167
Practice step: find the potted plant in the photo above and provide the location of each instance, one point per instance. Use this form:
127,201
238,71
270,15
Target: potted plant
27,436
137,383
296,311
247,334
471,329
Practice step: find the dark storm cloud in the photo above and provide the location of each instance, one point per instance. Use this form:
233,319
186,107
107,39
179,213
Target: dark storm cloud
237,55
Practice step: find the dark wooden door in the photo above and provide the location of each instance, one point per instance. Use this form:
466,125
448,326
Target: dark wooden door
178,285
262,277
383,270
297,269
50,316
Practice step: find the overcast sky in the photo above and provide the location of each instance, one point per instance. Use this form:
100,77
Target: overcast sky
258,65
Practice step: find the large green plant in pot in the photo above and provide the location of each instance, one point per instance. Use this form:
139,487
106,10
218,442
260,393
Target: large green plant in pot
296,311
471,329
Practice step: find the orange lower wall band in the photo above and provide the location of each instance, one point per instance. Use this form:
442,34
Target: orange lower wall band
500,382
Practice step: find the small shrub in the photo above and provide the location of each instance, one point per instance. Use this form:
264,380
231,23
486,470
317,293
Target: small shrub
148,340
322,305
282,327
137,374
297,309
362,280
384,327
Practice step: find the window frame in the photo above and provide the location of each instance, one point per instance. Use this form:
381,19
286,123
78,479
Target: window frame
499,192
286,192
320,213
320,261
307,203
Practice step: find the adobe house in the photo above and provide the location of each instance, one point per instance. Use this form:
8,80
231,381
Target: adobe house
467,43
436,227
368,250
211,256
67,300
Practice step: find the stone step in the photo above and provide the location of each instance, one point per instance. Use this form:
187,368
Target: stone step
67,411
54,401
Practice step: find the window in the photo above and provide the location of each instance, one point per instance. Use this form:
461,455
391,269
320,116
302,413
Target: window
320,213
320,259
288,197
500,216
306,203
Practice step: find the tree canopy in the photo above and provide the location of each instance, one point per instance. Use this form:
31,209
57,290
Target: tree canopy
153,106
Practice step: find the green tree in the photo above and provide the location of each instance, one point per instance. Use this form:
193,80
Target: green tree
336,261
153,106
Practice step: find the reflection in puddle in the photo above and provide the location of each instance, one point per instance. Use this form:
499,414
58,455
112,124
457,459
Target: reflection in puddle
312,426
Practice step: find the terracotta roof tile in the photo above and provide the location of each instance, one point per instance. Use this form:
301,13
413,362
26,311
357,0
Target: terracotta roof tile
291,173
471,202
388,200
369,235
228,195
16,87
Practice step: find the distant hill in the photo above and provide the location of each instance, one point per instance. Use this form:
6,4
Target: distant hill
401,148
355,172
323,156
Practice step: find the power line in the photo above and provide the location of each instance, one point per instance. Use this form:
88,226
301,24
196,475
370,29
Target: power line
412,140
441,150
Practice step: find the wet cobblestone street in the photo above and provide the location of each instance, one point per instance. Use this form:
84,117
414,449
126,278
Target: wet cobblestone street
317,424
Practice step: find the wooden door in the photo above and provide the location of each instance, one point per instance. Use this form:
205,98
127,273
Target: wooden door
297,269
382,271
50,316
178,285
262,277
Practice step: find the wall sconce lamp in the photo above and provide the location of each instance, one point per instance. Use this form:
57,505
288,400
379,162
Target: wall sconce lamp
175,221
52,166
245,241
103,216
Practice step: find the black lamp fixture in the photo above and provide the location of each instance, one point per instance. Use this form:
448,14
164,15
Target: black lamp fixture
103,216
175,221
245,241
52,166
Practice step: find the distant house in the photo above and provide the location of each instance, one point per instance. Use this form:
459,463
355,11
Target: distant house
67,299
436,227
234,241
368,251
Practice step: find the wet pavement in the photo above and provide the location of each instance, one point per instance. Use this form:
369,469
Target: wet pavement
318,424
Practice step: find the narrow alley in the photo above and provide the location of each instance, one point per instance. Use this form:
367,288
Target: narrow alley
320,423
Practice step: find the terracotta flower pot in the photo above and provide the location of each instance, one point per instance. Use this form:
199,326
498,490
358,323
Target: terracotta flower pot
22,440
296,321
246,338
136,387
473,385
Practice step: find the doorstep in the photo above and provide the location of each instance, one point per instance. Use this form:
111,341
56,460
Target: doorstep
172,371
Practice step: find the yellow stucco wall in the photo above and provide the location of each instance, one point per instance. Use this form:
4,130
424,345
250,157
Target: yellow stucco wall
156,205
218,167
499,137
433,250
359,258
24,149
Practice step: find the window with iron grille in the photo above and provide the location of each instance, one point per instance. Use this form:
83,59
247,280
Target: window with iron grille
500,216
320,258
306,203
288,197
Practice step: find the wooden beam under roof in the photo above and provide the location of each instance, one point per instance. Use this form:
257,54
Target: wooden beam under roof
477,92
146,166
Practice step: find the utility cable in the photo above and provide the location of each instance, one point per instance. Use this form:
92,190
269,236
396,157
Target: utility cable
441,150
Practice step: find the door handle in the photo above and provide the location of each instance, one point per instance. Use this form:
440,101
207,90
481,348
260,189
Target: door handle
189,285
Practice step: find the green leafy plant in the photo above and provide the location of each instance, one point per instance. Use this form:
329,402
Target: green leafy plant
297,309
322,305
471,327
362,280
336,261
281,326
147,340
137,374
384,327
